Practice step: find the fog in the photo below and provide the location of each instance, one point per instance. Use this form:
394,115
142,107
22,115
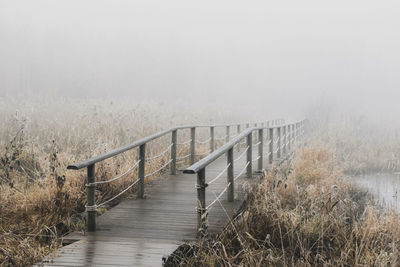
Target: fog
278,57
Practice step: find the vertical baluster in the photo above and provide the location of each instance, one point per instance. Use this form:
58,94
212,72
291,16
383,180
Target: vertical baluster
271,145
260,148
201,202
255,132
173,151
192,145
142,158
91,199
227,134
284,135
249,155
293,134
231,187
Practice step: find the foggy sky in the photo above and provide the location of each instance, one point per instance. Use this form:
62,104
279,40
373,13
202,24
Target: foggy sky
258,54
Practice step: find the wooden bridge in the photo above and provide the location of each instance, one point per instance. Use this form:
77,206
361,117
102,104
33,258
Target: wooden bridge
174,208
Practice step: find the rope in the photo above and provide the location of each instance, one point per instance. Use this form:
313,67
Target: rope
257,144
256,159
204,142
241,155
218,197
242,171
161,154
219,175
115,178
185,143
111,199
165,165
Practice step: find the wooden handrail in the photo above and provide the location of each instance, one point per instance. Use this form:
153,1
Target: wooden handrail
286,133
141,144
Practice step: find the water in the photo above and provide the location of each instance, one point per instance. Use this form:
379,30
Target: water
384,187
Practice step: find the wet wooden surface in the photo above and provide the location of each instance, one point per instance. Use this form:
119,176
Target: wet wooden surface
139,232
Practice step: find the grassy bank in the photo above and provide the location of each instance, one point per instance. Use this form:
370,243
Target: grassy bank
305,214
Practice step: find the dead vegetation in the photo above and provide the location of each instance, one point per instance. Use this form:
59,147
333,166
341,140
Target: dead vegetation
306,216
39,199
360,146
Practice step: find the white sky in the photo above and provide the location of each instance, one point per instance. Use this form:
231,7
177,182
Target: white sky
256,54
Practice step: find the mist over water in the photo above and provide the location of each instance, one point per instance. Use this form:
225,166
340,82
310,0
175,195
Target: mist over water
285,58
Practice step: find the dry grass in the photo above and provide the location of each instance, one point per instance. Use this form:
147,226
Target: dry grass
359,146
39,199
309,216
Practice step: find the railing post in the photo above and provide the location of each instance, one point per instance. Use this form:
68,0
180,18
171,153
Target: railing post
227,134
173,151
260,148
284,134
231,181
248,125
249,155
201,202
238,132
271,145
278,155
192,145
91,201
142,158
212,139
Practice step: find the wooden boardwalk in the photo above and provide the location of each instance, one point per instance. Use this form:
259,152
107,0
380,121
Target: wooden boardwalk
139,232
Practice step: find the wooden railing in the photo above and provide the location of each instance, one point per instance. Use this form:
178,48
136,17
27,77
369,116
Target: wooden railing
89,164
286,135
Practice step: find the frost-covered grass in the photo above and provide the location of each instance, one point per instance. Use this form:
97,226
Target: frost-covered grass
302,215
39,199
